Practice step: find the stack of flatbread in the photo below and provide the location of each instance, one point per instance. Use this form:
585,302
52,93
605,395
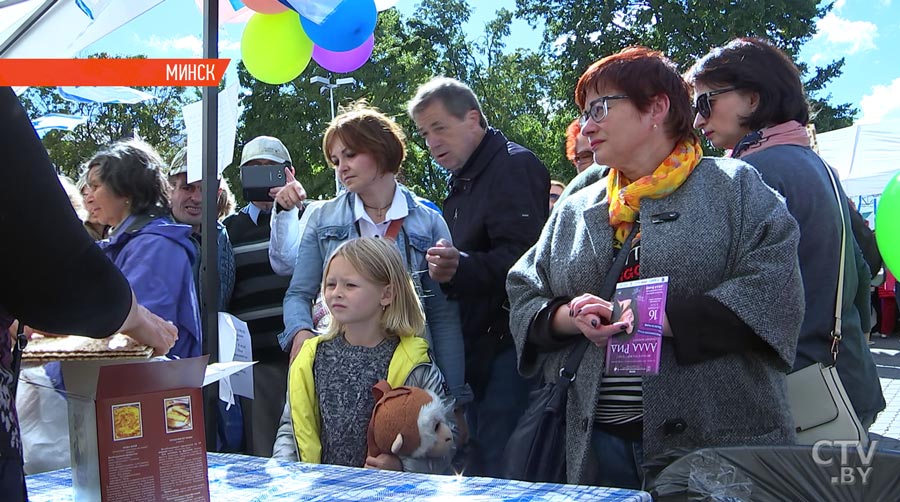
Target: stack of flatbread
41,349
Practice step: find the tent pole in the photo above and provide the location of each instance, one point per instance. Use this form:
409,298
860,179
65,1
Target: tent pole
21,30
208,240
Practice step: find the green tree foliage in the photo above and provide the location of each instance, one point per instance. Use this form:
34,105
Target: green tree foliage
526,94
579,32
512,87
158,122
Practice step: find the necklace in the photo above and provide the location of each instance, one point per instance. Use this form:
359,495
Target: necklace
379,211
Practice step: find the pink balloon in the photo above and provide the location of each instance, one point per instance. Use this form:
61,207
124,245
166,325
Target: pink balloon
344,62
265,6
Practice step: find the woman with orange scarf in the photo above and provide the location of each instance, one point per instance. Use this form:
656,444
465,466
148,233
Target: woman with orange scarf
728,246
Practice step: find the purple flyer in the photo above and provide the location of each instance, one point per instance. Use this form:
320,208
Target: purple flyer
643,304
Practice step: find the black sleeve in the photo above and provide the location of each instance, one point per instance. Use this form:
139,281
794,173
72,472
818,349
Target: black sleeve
55,278
704,329
541,332
521,207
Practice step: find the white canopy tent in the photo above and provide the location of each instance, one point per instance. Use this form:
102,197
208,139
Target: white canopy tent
59,28
866,156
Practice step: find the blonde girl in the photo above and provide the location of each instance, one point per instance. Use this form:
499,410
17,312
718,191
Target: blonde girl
374,335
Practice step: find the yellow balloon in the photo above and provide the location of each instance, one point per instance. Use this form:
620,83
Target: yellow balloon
274,47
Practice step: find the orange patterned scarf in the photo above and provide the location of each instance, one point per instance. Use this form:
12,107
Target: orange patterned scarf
625,196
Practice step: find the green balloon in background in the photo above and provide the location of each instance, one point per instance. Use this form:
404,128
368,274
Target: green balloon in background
274,47
887,225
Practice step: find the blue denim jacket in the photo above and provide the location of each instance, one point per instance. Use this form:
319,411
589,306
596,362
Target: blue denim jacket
331,223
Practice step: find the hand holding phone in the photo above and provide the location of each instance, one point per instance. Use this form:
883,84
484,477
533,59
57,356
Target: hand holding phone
256,181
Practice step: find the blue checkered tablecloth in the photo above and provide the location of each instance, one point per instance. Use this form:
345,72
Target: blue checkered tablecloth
240,478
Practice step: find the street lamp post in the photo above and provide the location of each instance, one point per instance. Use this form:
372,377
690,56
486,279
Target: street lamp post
329,86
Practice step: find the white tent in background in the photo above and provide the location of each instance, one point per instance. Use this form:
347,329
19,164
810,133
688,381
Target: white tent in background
866,156
59,28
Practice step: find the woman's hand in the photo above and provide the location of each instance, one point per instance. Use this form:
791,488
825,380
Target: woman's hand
149,329
591,315
384,461
627,315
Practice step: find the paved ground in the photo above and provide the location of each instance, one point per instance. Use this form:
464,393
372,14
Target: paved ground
886,352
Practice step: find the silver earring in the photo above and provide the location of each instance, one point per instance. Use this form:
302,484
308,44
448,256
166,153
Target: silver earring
655,126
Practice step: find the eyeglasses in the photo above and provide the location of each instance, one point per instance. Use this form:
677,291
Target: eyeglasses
702,104
598,109
584,158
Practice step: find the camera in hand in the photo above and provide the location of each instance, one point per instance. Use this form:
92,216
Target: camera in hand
258,180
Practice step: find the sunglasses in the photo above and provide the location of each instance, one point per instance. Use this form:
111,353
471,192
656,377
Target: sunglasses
598,109
703,106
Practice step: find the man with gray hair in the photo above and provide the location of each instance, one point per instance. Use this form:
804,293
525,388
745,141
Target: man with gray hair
497,204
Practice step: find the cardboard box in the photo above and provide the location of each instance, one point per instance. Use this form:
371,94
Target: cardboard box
137,430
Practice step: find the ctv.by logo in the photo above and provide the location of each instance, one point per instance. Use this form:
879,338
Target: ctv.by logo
849,473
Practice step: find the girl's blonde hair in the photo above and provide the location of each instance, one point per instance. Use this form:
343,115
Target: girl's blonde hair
379,261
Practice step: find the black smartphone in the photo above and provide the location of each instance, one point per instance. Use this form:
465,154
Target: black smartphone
257,180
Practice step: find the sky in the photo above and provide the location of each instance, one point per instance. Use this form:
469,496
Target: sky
865,32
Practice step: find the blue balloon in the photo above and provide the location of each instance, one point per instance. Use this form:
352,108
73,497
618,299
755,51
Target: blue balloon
346,28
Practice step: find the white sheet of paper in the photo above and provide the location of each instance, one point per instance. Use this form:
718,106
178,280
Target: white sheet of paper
227,132
218,371
234,345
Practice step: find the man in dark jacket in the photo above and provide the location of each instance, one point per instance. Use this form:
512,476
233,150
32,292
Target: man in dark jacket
498,203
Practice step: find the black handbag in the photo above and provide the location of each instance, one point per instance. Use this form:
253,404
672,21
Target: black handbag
536,450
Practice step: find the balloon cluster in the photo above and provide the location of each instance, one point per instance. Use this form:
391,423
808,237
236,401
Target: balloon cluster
283,35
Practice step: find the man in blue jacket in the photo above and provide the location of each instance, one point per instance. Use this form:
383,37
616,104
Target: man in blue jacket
497,205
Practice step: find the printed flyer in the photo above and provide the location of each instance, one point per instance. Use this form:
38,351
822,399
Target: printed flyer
643,303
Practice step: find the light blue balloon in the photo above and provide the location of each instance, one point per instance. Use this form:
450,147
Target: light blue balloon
346,28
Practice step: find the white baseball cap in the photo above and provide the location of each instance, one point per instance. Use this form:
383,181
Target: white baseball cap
179,163
265,147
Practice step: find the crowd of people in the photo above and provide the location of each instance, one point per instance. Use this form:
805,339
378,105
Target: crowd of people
480,298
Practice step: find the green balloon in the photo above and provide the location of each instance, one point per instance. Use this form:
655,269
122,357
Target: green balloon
274,47
887,224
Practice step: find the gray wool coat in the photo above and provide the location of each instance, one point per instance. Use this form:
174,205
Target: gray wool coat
734,241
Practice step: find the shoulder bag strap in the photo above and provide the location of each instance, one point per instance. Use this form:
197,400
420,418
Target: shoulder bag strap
393,229
567,372
18,346
836,333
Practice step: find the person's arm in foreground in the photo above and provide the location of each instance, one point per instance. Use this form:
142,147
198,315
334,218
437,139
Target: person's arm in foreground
54,274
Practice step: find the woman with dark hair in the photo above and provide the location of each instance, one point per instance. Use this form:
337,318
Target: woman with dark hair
723,239
128,191
749,99
54,281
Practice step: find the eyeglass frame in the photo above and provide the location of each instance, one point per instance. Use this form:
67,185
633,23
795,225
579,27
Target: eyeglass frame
586,157
705,98
590,109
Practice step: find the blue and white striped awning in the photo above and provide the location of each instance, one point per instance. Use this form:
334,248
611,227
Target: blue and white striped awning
47,123
115,95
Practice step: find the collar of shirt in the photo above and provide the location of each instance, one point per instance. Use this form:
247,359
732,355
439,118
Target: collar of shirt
367,227
253,212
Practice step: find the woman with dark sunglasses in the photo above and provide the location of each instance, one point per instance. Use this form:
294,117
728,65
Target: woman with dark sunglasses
723,239
749,99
